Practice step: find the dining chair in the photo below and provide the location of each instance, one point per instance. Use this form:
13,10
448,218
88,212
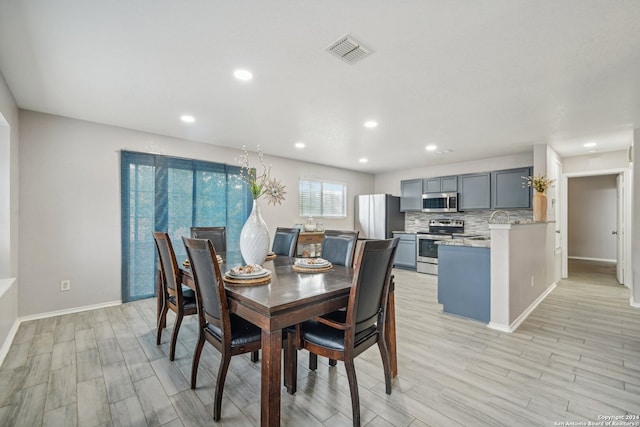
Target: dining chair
339,246
285,241
343,335
217,235
182,302
229,333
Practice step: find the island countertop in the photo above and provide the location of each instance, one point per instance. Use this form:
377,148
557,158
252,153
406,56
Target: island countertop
474,242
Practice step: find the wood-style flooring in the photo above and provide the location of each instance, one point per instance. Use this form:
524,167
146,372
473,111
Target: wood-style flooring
576,358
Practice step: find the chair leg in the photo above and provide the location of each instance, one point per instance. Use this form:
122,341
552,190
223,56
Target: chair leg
386,363
162,321
290,364
255,356
174,336
222,375
333,362
313,361
196,359
353,388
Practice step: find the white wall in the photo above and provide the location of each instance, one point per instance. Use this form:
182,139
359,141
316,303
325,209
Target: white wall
635,220
592,217
70,204
389,182
8,217
595,162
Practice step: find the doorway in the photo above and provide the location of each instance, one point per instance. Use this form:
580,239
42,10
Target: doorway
594,220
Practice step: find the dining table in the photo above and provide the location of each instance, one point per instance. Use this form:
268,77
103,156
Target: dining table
288,298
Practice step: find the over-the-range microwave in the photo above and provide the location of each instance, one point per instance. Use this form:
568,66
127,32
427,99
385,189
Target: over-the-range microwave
440,202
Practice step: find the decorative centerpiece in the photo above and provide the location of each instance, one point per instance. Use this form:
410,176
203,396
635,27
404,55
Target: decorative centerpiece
539,201
254,237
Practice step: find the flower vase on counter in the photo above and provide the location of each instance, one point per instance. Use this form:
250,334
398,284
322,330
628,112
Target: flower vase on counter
254,237
539,203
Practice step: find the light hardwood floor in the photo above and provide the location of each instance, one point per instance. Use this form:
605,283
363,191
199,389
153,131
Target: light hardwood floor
576,358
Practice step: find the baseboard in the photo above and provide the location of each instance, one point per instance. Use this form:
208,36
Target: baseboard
69,311
9,340
632,303
516,323
584,258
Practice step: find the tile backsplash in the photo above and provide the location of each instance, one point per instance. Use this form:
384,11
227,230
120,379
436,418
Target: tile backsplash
475,222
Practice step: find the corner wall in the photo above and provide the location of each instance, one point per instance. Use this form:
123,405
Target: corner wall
8,218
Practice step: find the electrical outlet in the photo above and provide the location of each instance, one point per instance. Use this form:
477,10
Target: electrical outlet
65,285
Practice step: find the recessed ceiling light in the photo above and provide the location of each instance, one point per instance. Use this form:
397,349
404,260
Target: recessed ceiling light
187,118
243,75
299,144
590,144
370,124
364,160
431,147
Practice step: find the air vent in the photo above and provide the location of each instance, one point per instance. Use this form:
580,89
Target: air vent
349,49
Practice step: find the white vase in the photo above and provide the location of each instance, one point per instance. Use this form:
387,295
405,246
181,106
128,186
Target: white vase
254,237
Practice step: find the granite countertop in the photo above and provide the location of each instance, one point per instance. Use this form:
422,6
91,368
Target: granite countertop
481,242
403,232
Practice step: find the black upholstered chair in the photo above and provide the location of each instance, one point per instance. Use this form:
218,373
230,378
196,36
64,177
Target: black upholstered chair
285,241
182,302
228,333
343,335
338,246
217,235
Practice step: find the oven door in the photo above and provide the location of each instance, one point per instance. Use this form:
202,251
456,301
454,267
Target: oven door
427,250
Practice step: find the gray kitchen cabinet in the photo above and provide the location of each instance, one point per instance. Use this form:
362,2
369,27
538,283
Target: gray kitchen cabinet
406,252
509,190
475,191
411,195
464,281
444,184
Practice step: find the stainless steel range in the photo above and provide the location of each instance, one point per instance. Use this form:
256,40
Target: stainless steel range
427,250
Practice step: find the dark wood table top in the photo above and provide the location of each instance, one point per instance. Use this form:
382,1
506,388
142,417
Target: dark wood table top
288,293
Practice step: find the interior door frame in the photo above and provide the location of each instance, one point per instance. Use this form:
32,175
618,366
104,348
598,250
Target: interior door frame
626,215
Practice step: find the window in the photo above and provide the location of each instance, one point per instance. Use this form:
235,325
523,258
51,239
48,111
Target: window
322,199
160,193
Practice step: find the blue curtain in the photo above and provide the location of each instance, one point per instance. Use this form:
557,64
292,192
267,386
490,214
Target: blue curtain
160,193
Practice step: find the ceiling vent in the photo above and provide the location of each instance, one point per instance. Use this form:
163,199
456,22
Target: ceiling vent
349,49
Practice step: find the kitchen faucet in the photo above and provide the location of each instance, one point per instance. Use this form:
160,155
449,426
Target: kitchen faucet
502,213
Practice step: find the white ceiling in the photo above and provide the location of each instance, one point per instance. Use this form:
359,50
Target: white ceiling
481,78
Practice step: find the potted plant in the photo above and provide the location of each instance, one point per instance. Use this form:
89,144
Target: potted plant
539,201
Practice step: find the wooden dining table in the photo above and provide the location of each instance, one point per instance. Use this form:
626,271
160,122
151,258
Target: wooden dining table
289,298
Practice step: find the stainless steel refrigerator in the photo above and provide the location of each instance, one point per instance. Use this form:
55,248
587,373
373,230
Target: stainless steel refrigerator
377,216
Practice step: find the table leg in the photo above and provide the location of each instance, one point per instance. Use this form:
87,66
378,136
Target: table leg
390,330
270,381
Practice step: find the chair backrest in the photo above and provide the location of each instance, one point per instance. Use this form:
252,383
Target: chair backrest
168,263
217,235
338,246
285,241
370,287
210,293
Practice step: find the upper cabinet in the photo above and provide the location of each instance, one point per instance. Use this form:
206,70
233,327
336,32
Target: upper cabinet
445,184
509,190
503,189
475,191
411,195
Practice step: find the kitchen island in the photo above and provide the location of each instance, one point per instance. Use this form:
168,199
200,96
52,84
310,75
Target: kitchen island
464,278
499,280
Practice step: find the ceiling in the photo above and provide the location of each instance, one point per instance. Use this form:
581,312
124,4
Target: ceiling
477,79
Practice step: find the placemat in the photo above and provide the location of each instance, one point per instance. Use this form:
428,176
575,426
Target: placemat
247,282
302,269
